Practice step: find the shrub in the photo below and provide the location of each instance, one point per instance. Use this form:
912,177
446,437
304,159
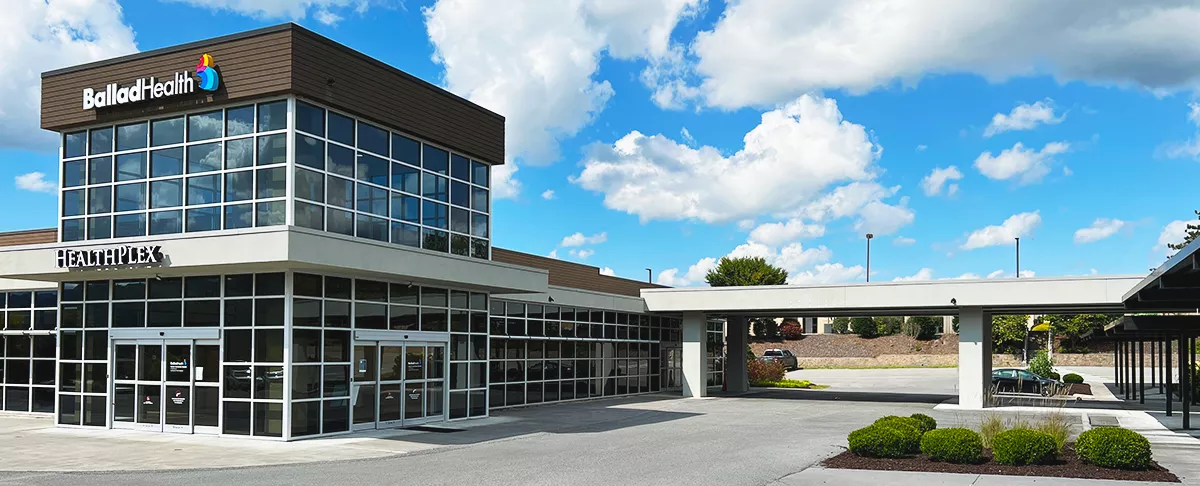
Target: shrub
764,370
840,325
1114,447
1057,426
989,427
925,423
889,325
957,445
1041,364
864,327
909,427
1053,375
882,441
1020,447
791,331
1072,378
921,327
784,383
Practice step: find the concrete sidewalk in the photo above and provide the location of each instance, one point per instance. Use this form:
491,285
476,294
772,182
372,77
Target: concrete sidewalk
819,475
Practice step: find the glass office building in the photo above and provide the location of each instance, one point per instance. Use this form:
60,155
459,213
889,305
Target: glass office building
303,250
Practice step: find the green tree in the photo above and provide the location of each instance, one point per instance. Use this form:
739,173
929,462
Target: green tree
745,271
921,327
864,327
840,325
1076,329
954,323
771,328
1008,333
889,325
757,328
1193,231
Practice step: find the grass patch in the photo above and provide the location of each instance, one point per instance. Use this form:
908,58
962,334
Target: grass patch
787,383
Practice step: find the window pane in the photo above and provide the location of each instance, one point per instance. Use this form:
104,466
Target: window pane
310,216
460,245
406,150
239,121
434,187
166,222
435,240
73,173
166,162
310,185
372,200
74,145
479,225
166,132
272,116
372,139
101,141
479,199
166,194
133,136
460,221
272,182
73,203
205,126
434,215
372,169
204,157
99,170
131,166
340,222
272,149
239,153
460,194
340,193
460,167
131,197
435,159
310,152
340,129
407,208
479,248
405,178
239,186
205,219
310,119
203,190
273,213
99,228
372,228
239,216
340,160
100,200
406,234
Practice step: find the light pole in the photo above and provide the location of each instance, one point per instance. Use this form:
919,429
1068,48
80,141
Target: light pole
649,276
1018,256
869,236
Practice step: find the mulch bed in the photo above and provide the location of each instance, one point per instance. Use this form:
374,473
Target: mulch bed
1068,465
1079,389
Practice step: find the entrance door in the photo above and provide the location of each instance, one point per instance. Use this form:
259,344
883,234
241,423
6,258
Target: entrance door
398,384
166,385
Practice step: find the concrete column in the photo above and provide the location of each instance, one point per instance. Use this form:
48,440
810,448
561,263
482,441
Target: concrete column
947,324
736,379
694,330
974,357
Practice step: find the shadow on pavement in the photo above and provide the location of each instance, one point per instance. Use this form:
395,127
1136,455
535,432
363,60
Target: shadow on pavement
853,396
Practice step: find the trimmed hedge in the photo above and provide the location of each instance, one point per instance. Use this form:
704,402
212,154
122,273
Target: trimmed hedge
765,370
1020,447
1072,378
883,441
925,423
956,445
1114,448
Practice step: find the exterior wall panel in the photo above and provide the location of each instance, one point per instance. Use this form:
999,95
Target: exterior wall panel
574,275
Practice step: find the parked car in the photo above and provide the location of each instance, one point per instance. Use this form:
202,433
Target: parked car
782,355
1016,380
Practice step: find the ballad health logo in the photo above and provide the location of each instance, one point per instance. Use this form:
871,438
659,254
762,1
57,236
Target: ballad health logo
151,88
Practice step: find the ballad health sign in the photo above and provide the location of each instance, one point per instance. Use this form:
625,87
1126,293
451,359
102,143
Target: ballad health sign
151,88
121,256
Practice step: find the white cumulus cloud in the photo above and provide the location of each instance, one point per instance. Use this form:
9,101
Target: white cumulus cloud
693,276
1006,274
932,184
922,274
321,10
1173,233
41,35
772,234
504,184
904,241
1016,226
1024,117
1026,165
1100,229
608,271
548,194
35,182
763,52
582,254
1190,148
827,273
578,239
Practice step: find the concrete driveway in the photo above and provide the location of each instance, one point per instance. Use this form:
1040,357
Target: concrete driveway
927,381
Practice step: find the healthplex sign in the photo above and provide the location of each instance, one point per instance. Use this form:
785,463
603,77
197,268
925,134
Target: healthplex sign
121,256
150,88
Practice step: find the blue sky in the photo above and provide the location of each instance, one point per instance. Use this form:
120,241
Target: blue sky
667,134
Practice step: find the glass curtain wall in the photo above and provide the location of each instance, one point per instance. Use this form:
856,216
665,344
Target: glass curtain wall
28,319
362,180
547,353
221,168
